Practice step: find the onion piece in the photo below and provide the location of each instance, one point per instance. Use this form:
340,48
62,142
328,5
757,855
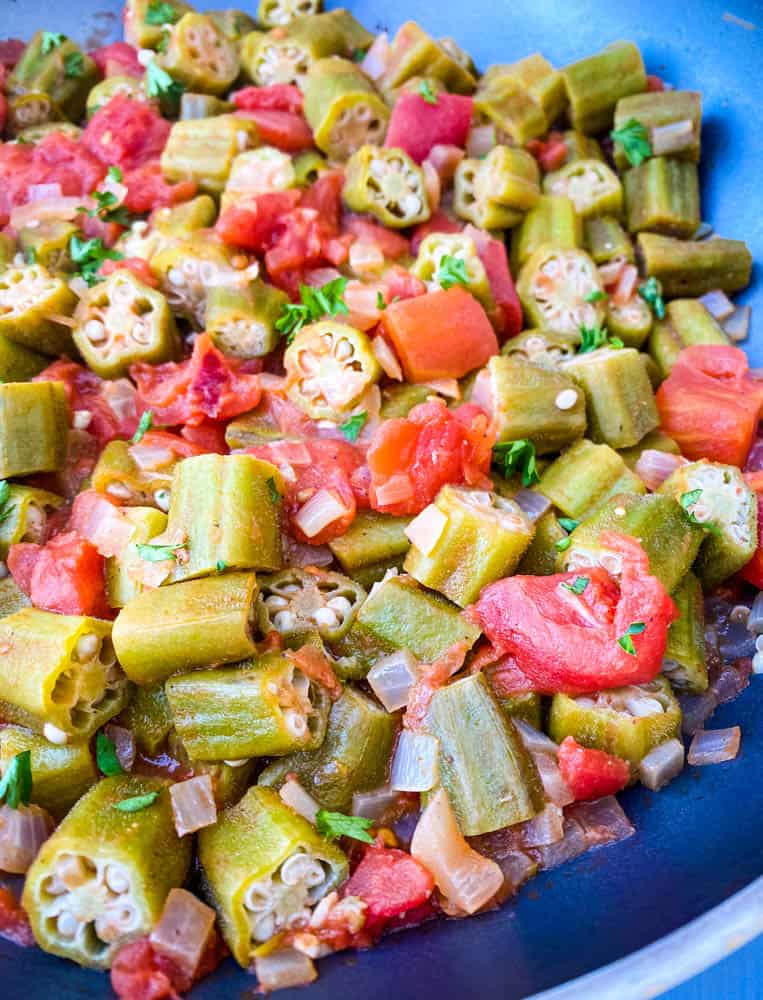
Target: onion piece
387,359
555,788
661,765
395,490
671,138
714,746
757,663
283,968
626,285
464,877
321,510
294,795
124,744
414,766
272,383
448,387
23,831
718,304
602,821
374,804
545,828
653,467
183,929
193,804
480,140
60,207
533,504
392,677
296,554
366,256
755,621
610,272
737,326
695,709
426,529
572,845
534,740
377,59
40,192
121,395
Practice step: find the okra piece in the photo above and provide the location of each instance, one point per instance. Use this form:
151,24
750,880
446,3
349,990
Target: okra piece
354,756
17,363
286,56
192,624
693,267
370,539
553,221
585,476
717,498
31,299
183,220
61,773
480,538
432,251
7,249
122,321
25,516
543,348
103,876
653,441
595,84
203,149
630,322
672,119
275,13
147,715
256,172
354,35
342,108
580,146
329,368
489,776
542,556
34,425
685,664
48,243
123,572
114,86
528,707
495,193
662,196
229,781
187,269
265,868
686,324
538,78
200,55
222,511
620,402
265,707
525,400
233,23
29,110
502,100
141,30
36,133
194,106
605,240
59,672
592,187
399,400
297,601
388,184
62,70
627,721
414,53
308,167
254,428
658,522
241,320
12,599
558,290
118,474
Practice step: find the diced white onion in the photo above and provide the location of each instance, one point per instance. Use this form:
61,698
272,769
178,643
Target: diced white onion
376,60
718,304
445,159
653,467
426,529
366,256
737,326
124,744
283,968
480,140
374,804
602,821
555,788
755,621
306,555
321,510
572,845
39,192
414,766
193,804
662,764
545,828
121,395
534,740
533,504
448,387
466,879
713,746
54,735
703,231
387,359
79,286
395,490
59,207
183,929
392,677
294,795
22,832
671,138
271,383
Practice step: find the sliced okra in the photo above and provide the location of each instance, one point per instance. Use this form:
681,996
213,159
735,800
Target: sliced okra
63,71
584,476
595,85
256,172
296,601
343,109
436,247
200,55
687,322
30,299
25,516
694,267
388,184
242,320
592,187
34,425
495,193
662,196
685,663
558,290
203,150
553,221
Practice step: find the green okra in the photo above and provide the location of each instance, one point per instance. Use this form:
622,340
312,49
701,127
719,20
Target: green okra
286,55
297,601
528,707
308,167
433,250
222,510
34,423
191,624
63,71
200,55
19,363
31,299
102,878
543,83
371,538
561,291
343,108
194,106
114,86
399,400
7,249
685,663
542,556
630,322
686,324
586,475
255,172
592,187
147,715
627,721
118,474
495,193
265,707
489,776
354,755
662,196
693,267
181,221
355,36
61,773
123,572
12,599
278,13
388,184
142,30
606,240
504,101
24,516
414,53
656,440
30,110
241,320
233,23
679,110
595,84
36,133
580,146
254,428
203,149
188,268
544,348
553,220
482,537
264,869
620,402
48,243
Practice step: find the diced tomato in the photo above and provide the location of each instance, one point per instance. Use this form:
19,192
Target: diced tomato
401,284
208,435
753,571
439,222
118,59
505,677
111,404
125,133
551,152
182,447
710,404
99,518
14,923
591,774
391,244
207,385
445,334
285,130
140,973
507,314
391,883
325,196
137,265
276,97
314,664
64,575
147,189
430,678
654,83
564,641
3,111
255,225
416,125
10,51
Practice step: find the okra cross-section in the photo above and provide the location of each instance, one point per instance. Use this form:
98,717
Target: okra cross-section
592,187
685,663
200,56
25,516
432,253
286,54
34,423
558,290
413,53
296,601
494,193
135,482
342,108
188,269
553,221
241,321
544,348
388,184
48,69
30,296
277,13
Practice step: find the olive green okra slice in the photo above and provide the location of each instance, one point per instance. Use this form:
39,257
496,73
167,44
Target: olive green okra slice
241,320
101,879
592,187
62,70
308,167
596,83
203,149
662,196
430,261
542,347
114,86
584,476
286,55
631,322
672,119
343,108
399,399
118,474
388,184
30,110
371,538
188,268
553,220
297,601
31,300
200,55
687,322
694,267
233,22
606,240
34,424
147,715
264,869
414,53
48,243
542,556
494,193
561,291
502,100
278,13
36,133
61,773
25,516
181,221
685,663
580,146
142,30
528,707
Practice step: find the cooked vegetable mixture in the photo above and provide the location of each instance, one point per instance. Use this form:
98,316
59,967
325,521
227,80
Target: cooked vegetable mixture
380,485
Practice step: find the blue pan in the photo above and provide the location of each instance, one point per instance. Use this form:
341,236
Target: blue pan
617,916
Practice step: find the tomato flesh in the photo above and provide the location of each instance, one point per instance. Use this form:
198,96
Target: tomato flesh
391,883
591,774
64,575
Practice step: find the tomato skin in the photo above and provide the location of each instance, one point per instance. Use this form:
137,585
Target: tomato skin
325,197
3,111
118,59
391,244
507,314
391,882
285,130
254,226
591,774
276,97
568,643
416,125
125,133
136,265
147,189
86,391
208,436
64,575
11,50
14,923
140,973
551,153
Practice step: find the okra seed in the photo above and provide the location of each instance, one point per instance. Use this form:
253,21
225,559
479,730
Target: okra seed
619,511
566,399
341,605
81,419
284,621
325,616
116,879
87,647
176,277
277,602
95,331
67,924
54,735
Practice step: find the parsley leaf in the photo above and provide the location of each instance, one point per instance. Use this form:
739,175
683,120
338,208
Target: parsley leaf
358,55
90,254
425,91
164,43
106,756
452,271
74,65
563,544
159,13
651,293
16,783
30,255
115,174
160,84
221,566
6,508
625,642
275,495
158,553
568,523
51,40
578,585
595,296
316,303
594,337
145,423
688,500
104,202
334,824
380,303
517,457
633,137
354,426
136,803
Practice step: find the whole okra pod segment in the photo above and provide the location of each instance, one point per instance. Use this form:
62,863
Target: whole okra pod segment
30,296
595,84
542,556
371,540
200,55
277,13
388,184
685,663
559,291
147,715
630,322
18,363
191,624
436,247
61,773
140,29
297,601
414,53
693,267
61,70
203,149
102,878
687,322
342,108
25,516
586,475
285,56
672,119
265,868
537,78
553,220
502,100
605,239
49,243
241,320
662,196
495,193
34,424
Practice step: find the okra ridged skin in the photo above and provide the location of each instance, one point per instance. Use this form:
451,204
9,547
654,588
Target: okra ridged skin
662,196
685,663
388,184
284,55
12,599
249,844
25,516
147,715
123,580
200,55
30,111
191,624
61,773
141,847
34,424
586,475
29,296
656,109
528,707
414,53
495,193
222,510
203,149
181,221
371,538
489,776
605,239
694,267
343,108
552,220
686,324
580,146
542,556
138,31
354,755
46,70
502,100
114,86
399,400
233,23
595,84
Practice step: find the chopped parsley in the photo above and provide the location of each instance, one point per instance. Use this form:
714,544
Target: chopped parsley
106,756
380,303
425,91
158,553
6,507
51,40
594,337
578,585
335,824
89,255
568,523
563,544
452,271
354,426
595,296
688,500
115,174
358,55
316,302
273,490
633,138
651,293
16,783
517,457
221,566
159,13
74,65
145,423
160,84
136,803
626,642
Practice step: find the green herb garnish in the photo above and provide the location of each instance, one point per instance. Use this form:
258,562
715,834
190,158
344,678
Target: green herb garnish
380,303
115,174
159,13
158,553
425,91
568,523
354,426
625,641
333,824
633,137
316,302
578,585
74,65
594,337
651,293
16,783
136,803
106,756
688,500
512,457
273,490
563,544
90,254
452,271
160,84
221,566
51,40
145,423
6,507
595,296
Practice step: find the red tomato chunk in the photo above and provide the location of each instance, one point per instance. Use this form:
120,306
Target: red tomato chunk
591,774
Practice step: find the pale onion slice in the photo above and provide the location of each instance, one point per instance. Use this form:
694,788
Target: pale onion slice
547,827
480,141
555,788
661,765
193,804
445,159
377,59
183,929
41,192
534,740
283,968
366,256
714,746
426,529
737,325
448,387
23,831
374,804
124,744
397,489
671,138
294,795
533,504
392,677
387,359
414,766
653,467
321,510
718,304
61,207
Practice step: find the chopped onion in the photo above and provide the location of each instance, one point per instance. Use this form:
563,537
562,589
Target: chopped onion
480,140
397,489
737,326
426,529
307,555
290,453
755,621
22,832
555,788
533,504
121,395
387,359
713,746
610,272
374,804
545,828
671,138
431,185
272,383
718,304
662,764
653,467
183,930
377,59
445,387
445,159
39,192
150,457
105,526
193,804
294,795
319,512
60,207
572,845
534,740
392,677
283,968
464,877
414,766
319,276
366,256
124,744
602,821
695,709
